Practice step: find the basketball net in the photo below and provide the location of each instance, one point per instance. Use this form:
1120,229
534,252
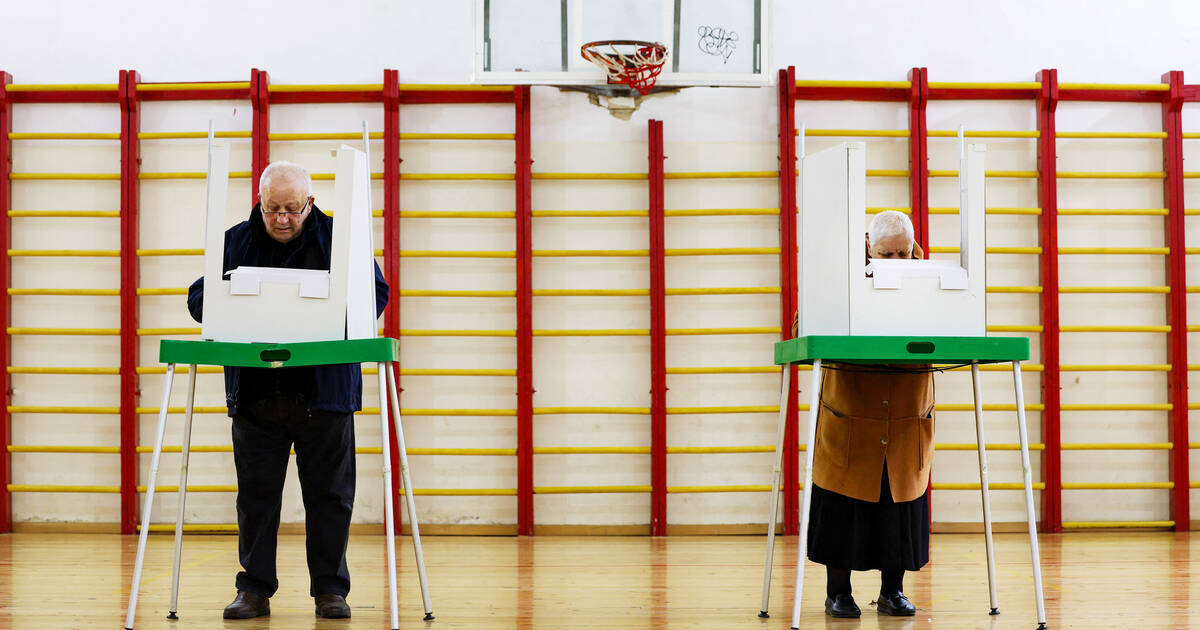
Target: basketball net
638,66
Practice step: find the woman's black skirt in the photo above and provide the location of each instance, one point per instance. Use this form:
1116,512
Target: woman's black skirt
846,533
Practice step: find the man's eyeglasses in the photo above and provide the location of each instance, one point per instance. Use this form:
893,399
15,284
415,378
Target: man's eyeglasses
287,213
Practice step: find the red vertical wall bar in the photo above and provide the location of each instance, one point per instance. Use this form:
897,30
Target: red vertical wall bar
5,304
524,243
787,295
1177,340
391,254
1047,104
130,118
260,143
918,155
658,334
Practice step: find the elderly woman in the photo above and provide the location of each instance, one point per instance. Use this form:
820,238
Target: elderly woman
870,501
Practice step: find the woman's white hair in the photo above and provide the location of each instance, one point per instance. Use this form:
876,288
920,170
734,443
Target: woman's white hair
286,170
890,223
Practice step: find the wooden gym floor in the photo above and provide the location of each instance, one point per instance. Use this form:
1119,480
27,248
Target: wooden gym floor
1093,580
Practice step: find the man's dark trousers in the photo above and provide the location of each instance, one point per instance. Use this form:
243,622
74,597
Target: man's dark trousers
263,434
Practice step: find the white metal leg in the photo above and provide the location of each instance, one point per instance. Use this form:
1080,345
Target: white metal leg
810,448
183,475
141,551
1029,515
408,495
388,519
983,487
773,515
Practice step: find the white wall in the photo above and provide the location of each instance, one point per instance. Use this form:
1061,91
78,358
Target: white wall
705,129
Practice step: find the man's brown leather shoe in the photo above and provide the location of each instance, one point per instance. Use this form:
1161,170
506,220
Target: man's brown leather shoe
332,606
248,605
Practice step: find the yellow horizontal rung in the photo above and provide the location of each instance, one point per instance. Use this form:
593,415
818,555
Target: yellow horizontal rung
170,252
985,85
746,330
209,488
179,369
64,292
855,84
1114,250
592,450
1158,367
412,253
694,489
190,175
1118,446
992,211
987,407
597,253
1140,87
952,133
592,213
1014,328
878,209
989,250
887,172
457,136
725,409
62,87
1112,212
226,528
28,448
457,214
855,133
1115,524
85,253
64,331
723,251
589,489
1115,329
376,135
632,411
722,291
703,450
991,447
150,332
997,367
994,485
162,87
1111,175
465,492
25,487
452,87
459,451
1131,485
346,87
1159,289
1112,134
719,212
996,289
463,294
74,214
453,372
722,175
766,369
62,136
571,176
61,370
197,409
207,448
65,176
459,412
1117,407
457,333
186,135
163,291
997,174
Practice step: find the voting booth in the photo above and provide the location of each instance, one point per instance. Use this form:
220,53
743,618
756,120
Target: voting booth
274,318
854,310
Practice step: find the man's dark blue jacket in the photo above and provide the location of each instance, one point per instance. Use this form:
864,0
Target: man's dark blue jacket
334,388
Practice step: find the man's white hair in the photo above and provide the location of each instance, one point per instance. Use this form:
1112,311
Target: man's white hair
890,223
286,170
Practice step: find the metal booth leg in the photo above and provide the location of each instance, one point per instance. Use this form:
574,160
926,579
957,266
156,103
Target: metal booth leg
809,450
983,487
388,522
149,502
773,515
183,473
408,495
1028,479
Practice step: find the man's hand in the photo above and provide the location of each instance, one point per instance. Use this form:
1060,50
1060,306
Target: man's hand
795,324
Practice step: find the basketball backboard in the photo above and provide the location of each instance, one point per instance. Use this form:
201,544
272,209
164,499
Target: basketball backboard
537,42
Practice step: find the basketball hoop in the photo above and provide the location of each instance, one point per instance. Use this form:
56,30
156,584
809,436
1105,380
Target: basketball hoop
630,62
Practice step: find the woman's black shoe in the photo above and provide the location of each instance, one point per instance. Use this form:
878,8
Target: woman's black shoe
896,605
842,606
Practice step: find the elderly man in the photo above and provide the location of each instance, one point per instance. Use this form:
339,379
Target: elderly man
274,410
870,501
